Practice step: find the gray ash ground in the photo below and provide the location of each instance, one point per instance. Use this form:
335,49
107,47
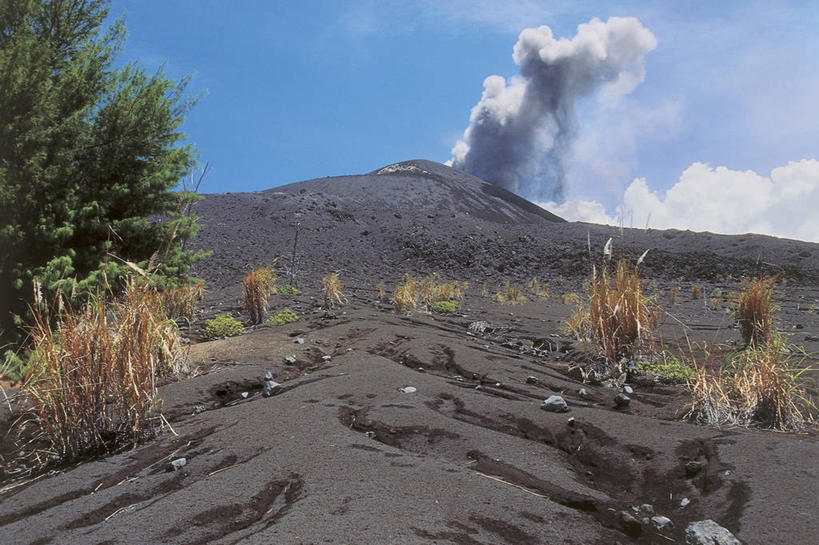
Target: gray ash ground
345,453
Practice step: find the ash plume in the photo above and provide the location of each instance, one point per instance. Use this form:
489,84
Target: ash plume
520,132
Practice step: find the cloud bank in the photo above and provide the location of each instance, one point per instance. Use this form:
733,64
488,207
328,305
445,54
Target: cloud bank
717,199
521,130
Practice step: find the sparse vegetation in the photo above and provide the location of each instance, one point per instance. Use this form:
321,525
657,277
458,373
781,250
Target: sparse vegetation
716,298
92,382
672,295
429,290
332,291
755,312
284,316
510,294
761,385
381,290
223,325
445,306
541,291
696,291
257,287
181,302
570,298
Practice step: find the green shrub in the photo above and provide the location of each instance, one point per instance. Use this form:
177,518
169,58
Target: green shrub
445,306
671,369
289,289
223,325
283,317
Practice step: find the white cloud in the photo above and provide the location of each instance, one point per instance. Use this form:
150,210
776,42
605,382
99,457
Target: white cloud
718,199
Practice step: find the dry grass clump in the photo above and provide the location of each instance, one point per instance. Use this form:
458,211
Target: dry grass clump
760,385
672,295
696,290
541,291
716,298
94,373
429,291
257,287
180,302
332,291
618,318
381,290
511,294
570,298
755,311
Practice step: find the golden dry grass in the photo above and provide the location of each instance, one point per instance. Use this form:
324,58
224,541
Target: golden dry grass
510,294
429,290
696,290
181,302
257,287
332,291
755,311
761,385
94,373
541,291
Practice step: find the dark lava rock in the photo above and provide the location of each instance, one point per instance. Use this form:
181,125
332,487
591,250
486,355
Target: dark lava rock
531,380
692,468
621,401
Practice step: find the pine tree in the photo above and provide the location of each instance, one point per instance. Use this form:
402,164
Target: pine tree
89,157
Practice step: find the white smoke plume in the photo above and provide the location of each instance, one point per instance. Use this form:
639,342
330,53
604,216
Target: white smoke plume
521,130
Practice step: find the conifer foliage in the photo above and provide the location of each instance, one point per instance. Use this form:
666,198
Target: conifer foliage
89,155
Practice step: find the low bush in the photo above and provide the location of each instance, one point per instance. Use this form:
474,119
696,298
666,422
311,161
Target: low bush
223,325
181,302
405,295
570,298
257,287
761,385
671,369
94,372
282,317
755,311
288,289
445,306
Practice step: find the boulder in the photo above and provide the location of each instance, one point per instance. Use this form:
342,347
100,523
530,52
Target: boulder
554,404
708,532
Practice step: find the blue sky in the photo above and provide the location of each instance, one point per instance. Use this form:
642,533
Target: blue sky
298,90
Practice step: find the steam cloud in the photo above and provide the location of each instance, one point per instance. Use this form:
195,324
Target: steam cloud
520,132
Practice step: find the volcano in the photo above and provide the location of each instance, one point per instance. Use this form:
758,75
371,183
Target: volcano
426,427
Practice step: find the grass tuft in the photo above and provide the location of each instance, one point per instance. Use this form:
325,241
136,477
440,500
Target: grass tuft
445,307
761,385
755,312
94,372
511,294
180,303
257,287
288,289
332,291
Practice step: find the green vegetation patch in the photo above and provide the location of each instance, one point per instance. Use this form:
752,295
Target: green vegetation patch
223,325
283,317
288,289
672,369
445,306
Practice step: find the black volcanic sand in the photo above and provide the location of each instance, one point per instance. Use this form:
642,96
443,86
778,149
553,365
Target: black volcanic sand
342,455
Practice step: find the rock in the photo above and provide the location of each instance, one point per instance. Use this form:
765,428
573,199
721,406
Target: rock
369,434
708,532
299,340
684,503
646,508
628,389
621,401
583,392
268,376
479,326
661,523
244,394
459,378
290,360
554,404
199,409
270,388
692,468
531,380
177,464
630,524
408,389
326,358
571,422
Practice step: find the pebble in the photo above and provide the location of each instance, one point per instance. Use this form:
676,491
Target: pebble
199,409
571,422
177,464
554,404
684,503
408,389
583,392
621,400
692,468
270,388
708,532
531,380
369,434
628,389
662,523
326,358
299,340
459,378
244,394
290,360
